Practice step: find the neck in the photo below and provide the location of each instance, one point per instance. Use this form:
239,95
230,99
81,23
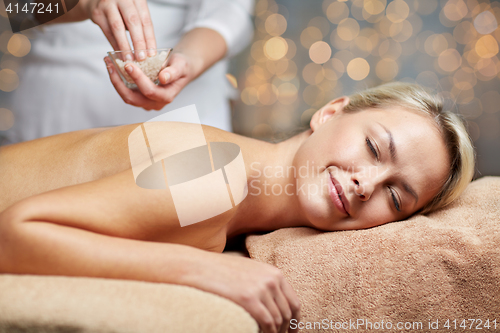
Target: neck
271,202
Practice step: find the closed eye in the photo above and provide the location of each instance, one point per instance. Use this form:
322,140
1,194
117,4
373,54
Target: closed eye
395,200
372,148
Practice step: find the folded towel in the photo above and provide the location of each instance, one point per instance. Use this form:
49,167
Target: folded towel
439,267
54,304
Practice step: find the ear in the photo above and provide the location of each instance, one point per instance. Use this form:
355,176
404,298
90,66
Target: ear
335,106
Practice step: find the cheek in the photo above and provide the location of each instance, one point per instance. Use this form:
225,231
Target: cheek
375,212
349,148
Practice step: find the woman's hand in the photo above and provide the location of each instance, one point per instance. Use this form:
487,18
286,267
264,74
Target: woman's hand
259,288
150,96
114,17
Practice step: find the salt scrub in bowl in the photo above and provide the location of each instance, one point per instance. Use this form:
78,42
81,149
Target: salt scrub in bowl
151,66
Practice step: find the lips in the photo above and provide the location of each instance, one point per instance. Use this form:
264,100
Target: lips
337,195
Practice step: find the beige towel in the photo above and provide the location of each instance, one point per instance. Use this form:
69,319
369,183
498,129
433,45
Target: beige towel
49,304
426,269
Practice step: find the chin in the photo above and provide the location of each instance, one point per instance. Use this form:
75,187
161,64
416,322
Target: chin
314,199
318,211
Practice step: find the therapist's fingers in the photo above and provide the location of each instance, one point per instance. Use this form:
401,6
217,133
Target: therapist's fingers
132,20
108,17
161,94
144,84
147,26
129,96
117,27
178,67
114,17
102,22
99,17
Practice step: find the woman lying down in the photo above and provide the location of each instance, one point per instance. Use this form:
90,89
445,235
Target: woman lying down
70,206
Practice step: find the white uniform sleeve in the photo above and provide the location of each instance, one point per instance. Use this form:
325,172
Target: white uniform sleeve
232,19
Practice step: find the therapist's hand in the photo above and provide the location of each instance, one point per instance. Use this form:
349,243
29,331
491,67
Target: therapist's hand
114,17
197,51
150,96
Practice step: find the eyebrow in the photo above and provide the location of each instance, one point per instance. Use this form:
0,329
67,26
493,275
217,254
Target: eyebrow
410,190
392,149
392,146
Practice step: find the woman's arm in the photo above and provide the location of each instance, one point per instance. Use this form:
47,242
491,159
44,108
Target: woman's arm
31,247
80,231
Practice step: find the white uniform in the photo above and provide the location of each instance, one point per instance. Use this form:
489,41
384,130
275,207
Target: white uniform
64,85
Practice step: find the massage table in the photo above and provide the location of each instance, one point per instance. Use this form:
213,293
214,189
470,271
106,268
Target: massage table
439,270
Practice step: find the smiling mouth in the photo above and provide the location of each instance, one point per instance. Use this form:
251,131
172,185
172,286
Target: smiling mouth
336,196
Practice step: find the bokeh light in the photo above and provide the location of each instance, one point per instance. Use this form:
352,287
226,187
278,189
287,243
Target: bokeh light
486,46
449,60
19,45
455,10
374,7
397,11
465,78
464,32
358,69
320,52
287,93
435,45
292,48
249,96
387,69
6,119
290,73
313,73
428,79
307,53
8,80
348,29
275,24
309,36
275,48
337,11
485,23
267,94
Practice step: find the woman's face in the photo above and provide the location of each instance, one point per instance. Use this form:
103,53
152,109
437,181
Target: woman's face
369,167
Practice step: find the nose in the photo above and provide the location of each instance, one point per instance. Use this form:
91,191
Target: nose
363,186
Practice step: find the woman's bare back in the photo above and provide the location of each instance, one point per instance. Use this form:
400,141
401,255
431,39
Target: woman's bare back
38,166
84,179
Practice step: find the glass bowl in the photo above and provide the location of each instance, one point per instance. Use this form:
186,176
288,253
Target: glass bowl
151,66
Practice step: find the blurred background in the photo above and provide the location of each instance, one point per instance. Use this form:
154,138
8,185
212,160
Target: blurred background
306,53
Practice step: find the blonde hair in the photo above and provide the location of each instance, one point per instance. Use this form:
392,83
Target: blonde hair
459,145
